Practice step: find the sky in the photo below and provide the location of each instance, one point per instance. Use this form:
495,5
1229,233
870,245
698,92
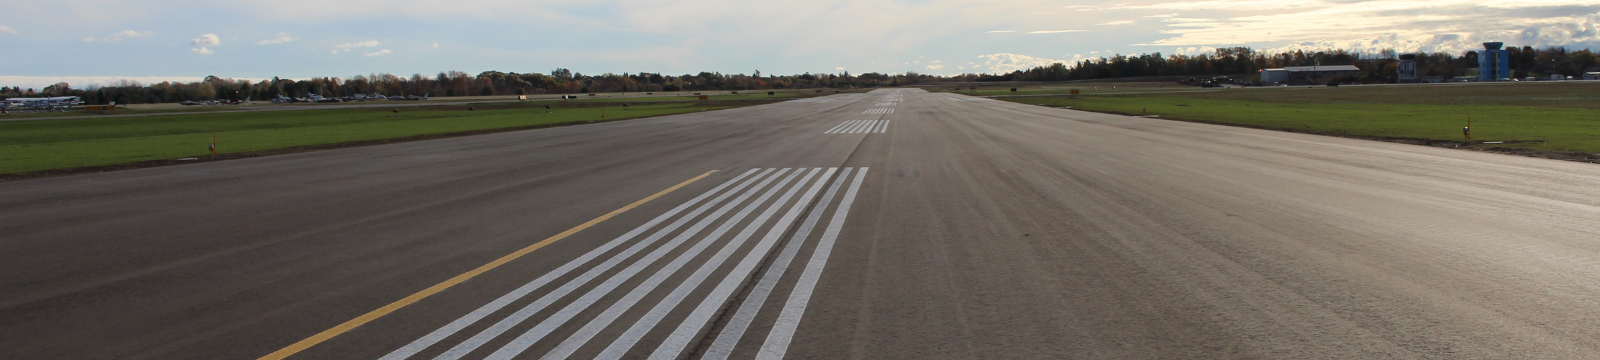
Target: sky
103,41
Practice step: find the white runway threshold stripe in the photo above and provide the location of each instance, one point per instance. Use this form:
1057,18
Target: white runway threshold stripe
653,280
860,127
879,111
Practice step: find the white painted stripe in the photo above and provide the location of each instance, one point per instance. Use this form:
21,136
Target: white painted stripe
777,343
873,127
722,347
864,127
855,128
549,325
884,128
846,129
454,326
620,346
529,310
836,128
583,335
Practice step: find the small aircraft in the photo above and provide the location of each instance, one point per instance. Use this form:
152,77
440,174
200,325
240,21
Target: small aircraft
409,97
48,104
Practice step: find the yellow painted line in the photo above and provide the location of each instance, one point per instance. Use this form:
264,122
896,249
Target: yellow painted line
386,309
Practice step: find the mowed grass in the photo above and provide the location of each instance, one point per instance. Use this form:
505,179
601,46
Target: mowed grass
54,144
1563,117
1084,88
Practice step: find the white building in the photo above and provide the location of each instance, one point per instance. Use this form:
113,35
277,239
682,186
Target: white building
1273,76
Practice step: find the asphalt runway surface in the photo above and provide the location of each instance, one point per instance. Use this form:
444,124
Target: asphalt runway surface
896,224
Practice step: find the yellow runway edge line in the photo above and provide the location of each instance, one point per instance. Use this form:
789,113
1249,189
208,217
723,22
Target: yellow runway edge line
386,309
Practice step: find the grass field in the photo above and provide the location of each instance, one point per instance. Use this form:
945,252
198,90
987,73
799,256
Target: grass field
1551,117
68,143
174,108
1066,88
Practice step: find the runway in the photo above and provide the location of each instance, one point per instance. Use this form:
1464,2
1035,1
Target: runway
895,224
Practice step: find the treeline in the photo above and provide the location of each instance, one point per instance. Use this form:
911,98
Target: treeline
456,83
1375,68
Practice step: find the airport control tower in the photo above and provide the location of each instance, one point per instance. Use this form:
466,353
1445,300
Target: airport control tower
1494,64
1406,70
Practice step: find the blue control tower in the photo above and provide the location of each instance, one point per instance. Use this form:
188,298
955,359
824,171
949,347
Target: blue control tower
1494,64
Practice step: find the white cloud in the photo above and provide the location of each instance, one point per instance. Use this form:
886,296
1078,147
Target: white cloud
206,40
1235,5
282,38
378,53
368,43
201,43
1007,62
1429,25
79,82
1195,50
348,46
7,30
119,36
436,45
812,34
1054,31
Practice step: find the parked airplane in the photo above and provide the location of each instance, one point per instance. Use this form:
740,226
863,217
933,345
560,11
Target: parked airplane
49,104
409,98
58,103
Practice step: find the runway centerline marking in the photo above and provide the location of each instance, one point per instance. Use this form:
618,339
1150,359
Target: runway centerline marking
425,293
